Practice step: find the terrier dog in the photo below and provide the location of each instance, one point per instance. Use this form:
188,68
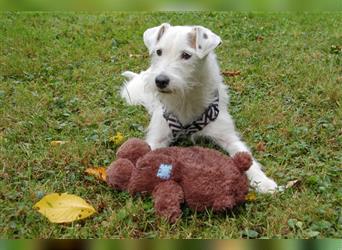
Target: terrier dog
184,93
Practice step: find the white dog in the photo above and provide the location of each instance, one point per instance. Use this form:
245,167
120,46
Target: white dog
184,93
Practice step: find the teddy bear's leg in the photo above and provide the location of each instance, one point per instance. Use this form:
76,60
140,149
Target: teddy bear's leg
168,196
224,202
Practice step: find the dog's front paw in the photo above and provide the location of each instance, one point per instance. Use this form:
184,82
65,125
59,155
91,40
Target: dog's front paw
265,185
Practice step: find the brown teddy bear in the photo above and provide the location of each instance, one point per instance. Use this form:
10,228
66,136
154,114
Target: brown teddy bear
201,177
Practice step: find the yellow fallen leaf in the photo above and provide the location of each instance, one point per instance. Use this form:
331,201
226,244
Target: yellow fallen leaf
64,208
251,196
57,143
99,172
117,138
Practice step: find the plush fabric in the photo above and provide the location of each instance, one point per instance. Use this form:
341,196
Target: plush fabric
201,177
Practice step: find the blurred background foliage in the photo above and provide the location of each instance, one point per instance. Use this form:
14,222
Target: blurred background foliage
152,5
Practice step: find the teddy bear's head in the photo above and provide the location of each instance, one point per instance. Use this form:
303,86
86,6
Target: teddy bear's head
119,172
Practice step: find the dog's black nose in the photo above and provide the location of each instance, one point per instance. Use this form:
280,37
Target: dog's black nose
162,81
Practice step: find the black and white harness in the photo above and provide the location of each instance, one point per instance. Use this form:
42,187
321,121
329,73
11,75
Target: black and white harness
209,115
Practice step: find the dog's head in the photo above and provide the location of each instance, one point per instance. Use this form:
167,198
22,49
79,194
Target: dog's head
177,53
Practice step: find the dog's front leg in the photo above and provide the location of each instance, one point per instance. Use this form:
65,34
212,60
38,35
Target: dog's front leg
222,131
159,133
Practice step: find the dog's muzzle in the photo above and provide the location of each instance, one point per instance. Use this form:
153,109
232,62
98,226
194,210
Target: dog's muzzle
162,81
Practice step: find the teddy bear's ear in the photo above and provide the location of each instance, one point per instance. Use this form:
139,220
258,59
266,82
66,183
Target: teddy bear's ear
133,149
243,161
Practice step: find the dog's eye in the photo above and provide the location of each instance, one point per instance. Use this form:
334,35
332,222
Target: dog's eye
185,56
159,52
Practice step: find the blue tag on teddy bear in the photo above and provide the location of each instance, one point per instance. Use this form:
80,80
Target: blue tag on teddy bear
164,171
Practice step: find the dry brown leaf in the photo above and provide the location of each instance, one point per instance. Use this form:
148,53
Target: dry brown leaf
57,143
261,147
259,38
294,184
98,172
231,73
135,55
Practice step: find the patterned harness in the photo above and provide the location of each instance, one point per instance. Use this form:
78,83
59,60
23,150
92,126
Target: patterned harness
209,115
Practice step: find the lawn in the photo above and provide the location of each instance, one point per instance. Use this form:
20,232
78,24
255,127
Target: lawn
59,81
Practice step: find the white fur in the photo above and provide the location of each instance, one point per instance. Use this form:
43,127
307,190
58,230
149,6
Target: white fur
192,86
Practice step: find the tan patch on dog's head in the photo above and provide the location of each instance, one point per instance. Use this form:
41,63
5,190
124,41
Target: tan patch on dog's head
160,33
192,39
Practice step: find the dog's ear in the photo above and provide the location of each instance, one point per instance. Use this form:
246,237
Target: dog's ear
206,41
153,35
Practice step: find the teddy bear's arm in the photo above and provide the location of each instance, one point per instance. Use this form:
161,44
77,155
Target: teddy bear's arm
168,196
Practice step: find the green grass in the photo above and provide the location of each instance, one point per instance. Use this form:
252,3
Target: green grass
59,80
